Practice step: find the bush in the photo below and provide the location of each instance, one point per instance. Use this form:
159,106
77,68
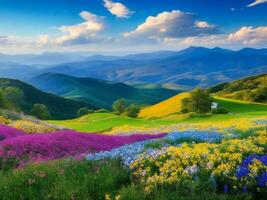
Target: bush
219,110
40,111
132,111
119,106
82,111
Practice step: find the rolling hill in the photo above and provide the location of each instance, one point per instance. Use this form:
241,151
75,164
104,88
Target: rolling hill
173,106
98,92
252,88
164,108
59,107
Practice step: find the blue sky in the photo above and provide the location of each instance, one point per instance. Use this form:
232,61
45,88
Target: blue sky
88,25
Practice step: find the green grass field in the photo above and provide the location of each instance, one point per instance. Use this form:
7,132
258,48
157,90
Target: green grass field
104,122
236,106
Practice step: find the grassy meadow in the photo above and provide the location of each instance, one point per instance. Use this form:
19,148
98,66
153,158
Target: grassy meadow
166,114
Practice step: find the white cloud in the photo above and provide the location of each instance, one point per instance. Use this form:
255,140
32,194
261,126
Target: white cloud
244,37
174,24
249,35
43,40
118,9
81,33
4,40
256,2
203,24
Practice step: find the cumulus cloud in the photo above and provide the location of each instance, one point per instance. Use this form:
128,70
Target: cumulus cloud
118,9
81,33
256,2
174,24
244,37
248,35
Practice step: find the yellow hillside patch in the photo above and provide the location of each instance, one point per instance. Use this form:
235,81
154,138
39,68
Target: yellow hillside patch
164,108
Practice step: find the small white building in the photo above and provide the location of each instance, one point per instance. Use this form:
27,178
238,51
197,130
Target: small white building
214,105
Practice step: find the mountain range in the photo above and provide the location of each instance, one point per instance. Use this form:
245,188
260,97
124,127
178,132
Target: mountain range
185,69
98,92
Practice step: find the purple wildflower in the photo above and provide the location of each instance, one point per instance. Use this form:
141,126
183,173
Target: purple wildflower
7,132
60,144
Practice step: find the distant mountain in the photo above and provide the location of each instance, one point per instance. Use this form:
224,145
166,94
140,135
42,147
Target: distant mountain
98,92
194,66
186,69
59,107
252,88
17,71
46,58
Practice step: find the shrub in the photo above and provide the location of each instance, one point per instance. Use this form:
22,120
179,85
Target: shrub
119,106
132,111
40,111
82,111
219,110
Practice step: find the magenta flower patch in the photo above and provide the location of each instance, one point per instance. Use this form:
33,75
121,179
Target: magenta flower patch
62,144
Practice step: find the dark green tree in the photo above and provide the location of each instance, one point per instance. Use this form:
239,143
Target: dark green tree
83,111
40,111
3,102
132,111
260,95
14,96
119,106
199,101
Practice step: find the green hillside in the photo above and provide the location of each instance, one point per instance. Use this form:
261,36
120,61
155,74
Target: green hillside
59,107
98,92
237,106
253,89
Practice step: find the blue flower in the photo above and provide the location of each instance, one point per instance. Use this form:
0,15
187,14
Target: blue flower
263,159
242,172
225,188
250,159
129,153
262,180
